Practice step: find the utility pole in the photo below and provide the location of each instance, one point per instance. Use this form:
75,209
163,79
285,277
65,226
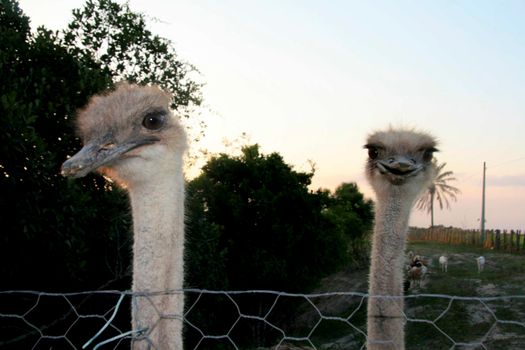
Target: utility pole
482,229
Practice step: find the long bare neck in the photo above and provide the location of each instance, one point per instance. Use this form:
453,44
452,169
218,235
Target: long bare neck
385,314
388,244
158,226
158,223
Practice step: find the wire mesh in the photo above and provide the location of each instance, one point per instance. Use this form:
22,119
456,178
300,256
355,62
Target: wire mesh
258,319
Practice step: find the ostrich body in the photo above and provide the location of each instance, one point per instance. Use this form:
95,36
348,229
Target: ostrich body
131,136
399,168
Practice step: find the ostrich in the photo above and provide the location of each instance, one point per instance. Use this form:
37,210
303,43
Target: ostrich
399,167
131,136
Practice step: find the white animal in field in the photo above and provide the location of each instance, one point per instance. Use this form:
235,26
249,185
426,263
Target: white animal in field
481,263
443,262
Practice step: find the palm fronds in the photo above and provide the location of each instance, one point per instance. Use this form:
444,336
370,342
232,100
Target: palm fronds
438,190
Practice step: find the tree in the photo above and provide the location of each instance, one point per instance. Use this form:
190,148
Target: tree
41,245
268,229
60,235
354,217
254,224
119,41
440,190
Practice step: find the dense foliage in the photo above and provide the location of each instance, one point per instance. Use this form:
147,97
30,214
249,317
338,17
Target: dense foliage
59,234
268,229
353,216
119,40
48,225
254,224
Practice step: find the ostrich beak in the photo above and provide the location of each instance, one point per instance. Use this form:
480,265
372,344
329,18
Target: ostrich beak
96,154
399,165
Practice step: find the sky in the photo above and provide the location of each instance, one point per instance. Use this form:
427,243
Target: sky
311,79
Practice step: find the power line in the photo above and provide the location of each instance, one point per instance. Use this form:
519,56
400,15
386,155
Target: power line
472,174
506,162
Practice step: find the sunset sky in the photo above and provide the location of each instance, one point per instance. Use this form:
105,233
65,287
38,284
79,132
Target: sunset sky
310,80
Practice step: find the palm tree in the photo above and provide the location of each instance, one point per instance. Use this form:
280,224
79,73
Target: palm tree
439,190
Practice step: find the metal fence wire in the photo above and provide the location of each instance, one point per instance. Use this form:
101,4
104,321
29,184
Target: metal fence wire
258,319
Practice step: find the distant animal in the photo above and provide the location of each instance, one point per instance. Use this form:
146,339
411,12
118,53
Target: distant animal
131,136
481,263
417,270
399,167
417,273
443,262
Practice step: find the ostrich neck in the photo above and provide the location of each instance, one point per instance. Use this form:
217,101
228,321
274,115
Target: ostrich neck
158,225
385,315
388,244
158,257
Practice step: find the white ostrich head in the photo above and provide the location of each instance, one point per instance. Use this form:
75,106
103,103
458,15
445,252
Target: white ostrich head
400,160
129,135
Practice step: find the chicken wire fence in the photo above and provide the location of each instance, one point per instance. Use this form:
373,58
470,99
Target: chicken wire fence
258,319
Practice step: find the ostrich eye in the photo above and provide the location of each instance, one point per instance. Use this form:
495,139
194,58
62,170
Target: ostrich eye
153,121
373,152
428,154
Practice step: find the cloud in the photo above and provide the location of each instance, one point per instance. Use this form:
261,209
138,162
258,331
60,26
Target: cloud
507,181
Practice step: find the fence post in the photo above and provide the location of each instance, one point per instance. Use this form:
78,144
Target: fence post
518,236
498,237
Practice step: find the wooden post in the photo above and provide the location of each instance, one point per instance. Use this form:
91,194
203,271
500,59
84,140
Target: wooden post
498,237
482,228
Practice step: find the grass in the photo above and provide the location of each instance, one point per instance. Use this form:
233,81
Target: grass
465,321
504,273
468,321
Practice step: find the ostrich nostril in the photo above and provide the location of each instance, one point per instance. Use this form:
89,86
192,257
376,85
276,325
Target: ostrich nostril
108,146
391,160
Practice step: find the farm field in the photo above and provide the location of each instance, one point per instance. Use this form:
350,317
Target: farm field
444,322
